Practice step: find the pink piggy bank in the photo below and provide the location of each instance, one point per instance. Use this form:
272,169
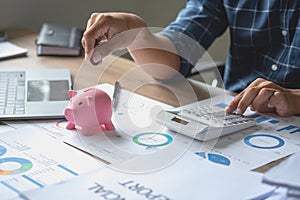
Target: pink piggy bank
90,112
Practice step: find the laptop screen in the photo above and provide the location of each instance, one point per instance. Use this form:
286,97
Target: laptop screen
45,90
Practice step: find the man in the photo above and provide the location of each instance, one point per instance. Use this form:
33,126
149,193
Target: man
263,60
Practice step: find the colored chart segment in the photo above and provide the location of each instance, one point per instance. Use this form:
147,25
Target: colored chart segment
262,119
221,105
291,128
3,150
264,141
133,105
33,181
295,131
61,124
152,139
215,158
287,128
255,115
274,121
25,165
67,170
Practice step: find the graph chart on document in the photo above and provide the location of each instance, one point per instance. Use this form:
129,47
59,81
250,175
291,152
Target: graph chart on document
136,130
274,137
26,165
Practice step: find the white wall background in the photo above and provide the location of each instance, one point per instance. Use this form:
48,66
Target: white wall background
32,13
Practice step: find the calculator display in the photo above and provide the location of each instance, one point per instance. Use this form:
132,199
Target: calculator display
178,120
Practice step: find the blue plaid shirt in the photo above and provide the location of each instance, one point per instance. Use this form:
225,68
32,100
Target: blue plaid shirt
265,38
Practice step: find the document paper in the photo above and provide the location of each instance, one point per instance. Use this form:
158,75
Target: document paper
30,159
187,178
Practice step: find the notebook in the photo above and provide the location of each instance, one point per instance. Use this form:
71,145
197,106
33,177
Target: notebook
59,40
34,94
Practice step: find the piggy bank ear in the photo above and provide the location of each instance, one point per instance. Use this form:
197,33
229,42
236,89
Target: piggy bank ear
72,93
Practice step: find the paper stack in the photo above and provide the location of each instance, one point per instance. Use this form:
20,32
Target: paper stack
10,50
286,176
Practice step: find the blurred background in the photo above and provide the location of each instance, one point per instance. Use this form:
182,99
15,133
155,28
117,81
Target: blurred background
31,14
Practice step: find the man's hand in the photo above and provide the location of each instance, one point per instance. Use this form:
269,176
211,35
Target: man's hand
107,32
102,27
265,96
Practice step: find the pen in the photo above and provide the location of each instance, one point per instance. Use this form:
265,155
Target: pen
115,94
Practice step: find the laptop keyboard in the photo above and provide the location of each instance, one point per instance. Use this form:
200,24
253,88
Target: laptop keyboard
12,93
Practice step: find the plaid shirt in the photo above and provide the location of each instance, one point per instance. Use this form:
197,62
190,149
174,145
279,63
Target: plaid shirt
265,38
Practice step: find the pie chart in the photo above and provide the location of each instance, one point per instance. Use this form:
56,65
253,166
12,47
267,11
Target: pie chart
152,139
264,141
2,150
23,165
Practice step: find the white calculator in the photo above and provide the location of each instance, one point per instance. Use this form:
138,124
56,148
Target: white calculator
203,122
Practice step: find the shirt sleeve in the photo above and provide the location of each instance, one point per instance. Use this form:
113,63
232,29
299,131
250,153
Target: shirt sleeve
195,29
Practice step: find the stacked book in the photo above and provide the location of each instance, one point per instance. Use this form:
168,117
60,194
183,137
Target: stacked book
59,40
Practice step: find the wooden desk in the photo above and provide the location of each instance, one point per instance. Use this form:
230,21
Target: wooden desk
112,69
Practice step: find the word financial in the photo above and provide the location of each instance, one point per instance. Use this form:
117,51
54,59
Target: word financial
138,189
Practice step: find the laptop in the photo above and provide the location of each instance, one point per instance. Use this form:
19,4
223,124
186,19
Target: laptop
34,94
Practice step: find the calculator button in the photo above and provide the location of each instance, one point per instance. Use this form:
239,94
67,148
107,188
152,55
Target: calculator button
213,116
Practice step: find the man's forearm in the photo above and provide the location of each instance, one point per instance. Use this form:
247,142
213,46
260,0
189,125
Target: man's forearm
158,51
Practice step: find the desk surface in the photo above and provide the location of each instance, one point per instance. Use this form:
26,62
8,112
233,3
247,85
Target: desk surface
115,68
